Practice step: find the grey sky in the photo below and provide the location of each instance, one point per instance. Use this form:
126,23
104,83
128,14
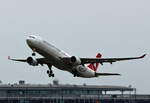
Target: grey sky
115,28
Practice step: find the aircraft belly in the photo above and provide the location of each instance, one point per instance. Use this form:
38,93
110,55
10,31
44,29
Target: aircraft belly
62,67
47,51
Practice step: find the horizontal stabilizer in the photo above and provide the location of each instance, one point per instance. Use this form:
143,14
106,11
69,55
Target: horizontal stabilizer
106,74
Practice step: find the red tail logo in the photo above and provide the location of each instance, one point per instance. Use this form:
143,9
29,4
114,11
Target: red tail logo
94,66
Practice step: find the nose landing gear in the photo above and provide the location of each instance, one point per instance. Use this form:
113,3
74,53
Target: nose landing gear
33,54
50,72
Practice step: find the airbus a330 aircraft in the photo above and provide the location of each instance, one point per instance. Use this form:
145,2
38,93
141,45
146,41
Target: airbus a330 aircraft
52,56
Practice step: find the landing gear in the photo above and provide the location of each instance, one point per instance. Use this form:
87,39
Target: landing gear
33,54
75,73
51,75
50,72
34,50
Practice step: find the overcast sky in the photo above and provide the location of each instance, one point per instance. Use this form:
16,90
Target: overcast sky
115,28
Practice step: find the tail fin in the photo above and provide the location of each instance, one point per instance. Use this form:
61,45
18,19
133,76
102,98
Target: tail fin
94,66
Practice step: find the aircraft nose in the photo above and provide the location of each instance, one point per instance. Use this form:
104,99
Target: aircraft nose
32,40
29,40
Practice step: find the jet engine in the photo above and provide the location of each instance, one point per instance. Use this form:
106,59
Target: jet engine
32,61
75,60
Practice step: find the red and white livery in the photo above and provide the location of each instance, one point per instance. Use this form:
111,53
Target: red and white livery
52,56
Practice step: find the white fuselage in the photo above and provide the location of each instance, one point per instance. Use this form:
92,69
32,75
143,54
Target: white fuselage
54,55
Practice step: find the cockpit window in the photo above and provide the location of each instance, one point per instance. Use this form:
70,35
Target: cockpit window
32,37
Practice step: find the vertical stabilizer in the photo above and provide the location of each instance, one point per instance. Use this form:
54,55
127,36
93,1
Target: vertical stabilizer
94,66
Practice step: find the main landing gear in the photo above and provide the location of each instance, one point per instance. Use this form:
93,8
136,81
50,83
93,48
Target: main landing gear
50,72
75,73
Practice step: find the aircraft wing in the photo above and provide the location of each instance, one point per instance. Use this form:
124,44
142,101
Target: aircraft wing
39,60
20,60
106,74
107,60
103,60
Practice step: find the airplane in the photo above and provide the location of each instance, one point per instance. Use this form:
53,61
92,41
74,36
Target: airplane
52,56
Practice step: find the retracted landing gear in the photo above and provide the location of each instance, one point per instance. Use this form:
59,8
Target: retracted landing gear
50,72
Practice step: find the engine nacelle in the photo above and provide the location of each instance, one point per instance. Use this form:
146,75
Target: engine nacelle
75,60
32,61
